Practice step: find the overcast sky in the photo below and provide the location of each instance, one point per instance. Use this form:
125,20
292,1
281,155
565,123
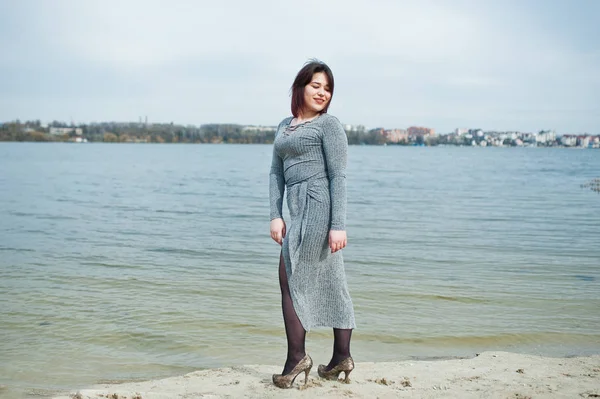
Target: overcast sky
506,65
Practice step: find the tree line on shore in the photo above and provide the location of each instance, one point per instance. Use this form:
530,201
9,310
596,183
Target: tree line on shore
130,132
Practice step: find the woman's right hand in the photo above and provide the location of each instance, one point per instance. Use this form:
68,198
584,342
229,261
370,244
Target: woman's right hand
278,230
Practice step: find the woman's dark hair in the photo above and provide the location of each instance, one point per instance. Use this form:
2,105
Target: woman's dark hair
303,78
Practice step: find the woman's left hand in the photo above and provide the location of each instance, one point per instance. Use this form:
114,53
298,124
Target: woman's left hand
337,240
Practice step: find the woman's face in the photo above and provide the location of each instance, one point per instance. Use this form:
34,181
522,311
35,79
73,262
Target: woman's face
316,94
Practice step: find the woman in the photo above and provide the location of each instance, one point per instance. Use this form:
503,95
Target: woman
309,160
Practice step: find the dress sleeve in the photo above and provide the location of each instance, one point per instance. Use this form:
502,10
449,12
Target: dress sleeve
335,148
276,183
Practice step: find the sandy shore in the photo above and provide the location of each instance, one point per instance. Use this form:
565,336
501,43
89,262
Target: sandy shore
489,375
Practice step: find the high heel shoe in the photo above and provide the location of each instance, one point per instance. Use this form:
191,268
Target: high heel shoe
346,365
286,381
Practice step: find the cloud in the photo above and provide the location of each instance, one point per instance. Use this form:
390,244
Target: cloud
430,62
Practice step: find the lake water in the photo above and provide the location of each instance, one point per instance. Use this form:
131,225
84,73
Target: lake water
123,262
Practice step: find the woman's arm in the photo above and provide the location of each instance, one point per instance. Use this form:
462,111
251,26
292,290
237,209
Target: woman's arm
276,192
276,186
335,148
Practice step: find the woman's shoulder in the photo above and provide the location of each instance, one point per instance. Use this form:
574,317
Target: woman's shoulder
328,118
285,121
330,122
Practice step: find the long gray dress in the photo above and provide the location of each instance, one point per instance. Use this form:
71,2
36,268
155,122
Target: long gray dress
310,161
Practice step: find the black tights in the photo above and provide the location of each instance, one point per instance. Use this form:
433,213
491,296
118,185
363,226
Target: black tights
296,334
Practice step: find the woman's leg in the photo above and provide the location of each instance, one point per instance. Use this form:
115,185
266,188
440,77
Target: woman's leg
341,346
294,330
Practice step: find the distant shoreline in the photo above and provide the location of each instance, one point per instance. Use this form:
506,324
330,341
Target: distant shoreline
270,143
113,132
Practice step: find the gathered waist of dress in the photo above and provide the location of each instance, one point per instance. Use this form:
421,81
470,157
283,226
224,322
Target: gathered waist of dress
301,179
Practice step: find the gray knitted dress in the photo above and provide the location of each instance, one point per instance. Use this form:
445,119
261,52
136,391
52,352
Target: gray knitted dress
309,160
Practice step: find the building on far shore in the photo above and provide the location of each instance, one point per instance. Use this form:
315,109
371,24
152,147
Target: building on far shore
259,128
395,135
420,131
66,130
545,137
